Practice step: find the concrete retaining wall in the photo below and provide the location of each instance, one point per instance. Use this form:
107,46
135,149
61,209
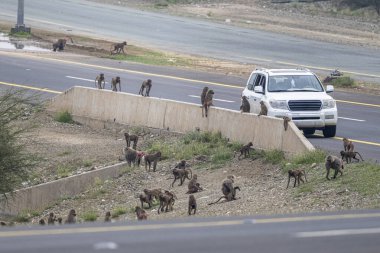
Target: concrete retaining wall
265,132
41,196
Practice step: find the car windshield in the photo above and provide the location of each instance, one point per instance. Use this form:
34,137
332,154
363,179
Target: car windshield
294,83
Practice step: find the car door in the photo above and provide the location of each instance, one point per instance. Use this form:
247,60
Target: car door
256,96
248,91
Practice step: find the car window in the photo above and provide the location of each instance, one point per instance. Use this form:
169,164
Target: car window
290,83
257,80
252,82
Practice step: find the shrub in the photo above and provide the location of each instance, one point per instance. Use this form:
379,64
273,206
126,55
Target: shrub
90,216
64,117
15,161
344,81
274,156
118,211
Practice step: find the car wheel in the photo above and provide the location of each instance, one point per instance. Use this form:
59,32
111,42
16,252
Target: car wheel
329,131
308,131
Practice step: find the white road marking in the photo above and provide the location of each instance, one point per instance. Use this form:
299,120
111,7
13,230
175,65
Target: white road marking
221,100
83,79
328,233
359,120
105,246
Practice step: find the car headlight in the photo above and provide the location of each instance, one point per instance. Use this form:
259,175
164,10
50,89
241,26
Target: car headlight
278,104
328,103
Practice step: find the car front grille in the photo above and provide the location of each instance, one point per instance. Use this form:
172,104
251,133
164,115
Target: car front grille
305,105
305,118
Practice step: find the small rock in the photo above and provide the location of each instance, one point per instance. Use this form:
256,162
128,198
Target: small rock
228,20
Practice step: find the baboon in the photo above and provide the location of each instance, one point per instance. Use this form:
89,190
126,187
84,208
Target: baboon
245,150
192,204
173,198
181,165
59,220
166,201
297,174
51,219
193,186
286,122
147,85
207,102
117,48
228,190
152,158
130,156
99,80
42,222
348,155
203,95
3,223
131,137
140,213
348,145
155,193
145,199
114,83
181,174
264,109
333,162
71,217
245,106
60,44
107,218
140,155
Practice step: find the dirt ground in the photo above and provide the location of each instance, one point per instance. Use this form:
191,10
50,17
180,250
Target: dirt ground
79,148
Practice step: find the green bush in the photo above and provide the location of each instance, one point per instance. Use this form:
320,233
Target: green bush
310,157
118,211
15,160
274,156
90,216
344,81
64,117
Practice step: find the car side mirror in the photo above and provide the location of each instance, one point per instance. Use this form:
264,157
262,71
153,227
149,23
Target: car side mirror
258,89
329,88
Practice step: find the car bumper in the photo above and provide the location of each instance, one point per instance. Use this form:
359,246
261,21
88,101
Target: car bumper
305,119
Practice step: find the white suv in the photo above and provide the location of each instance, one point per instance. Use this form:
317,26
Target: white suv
296,93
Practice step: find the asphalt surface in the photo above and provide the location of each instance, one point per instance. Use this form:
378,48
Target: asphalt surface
193,36
330,232
356,121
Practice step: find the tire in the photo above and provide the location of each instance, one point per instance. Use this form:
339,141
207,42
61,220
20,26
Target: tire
329,131
308,131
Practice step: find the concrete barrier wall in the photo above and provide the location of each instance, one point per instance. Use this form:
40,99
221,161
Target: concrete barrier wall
265,132
41,196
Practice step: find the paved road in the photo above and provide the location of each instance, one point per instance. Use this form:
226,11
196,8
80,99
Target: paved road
358,122
192,36
329,232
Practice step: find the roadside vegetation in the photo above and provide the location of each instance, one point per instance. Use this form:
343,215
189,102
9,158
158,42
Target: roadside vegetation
15,161
151,58
64,117
212,148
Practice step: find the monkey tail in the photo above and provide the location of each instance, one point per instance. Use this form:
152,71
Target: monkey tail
216,201
360,155
191,174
